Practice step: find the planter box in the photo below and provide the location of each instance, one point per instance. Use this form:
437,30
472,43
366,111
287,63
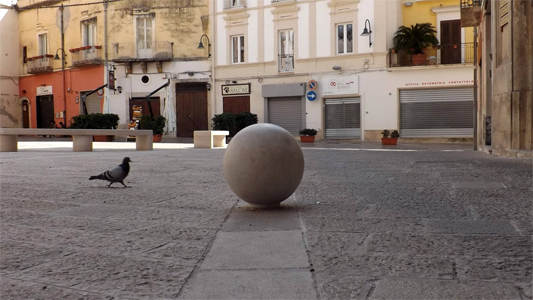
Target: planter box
389,141
307,139
418,59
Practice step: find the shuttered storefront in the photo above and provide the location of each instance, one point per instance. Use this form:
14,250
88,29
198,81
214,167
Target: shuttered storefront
286,112
437,113
343,118
93,104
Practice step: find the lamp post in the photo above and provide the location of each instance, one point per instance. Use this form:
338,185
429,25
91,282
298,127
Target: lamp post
368,32
201,45
56,57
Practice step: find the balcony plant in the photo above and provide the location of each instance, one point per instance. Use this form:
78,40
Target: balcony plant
415,39
156,124
98,47
307,135
96,121
390,137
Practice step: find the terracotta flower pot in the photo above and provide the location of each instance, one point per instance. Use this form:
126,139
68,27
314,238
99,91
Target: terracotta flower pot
157,138
389,141
103,138
418,59
307,139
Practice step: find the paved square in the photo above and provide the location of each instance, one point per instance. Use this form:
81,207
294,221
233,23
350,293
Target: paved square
366,223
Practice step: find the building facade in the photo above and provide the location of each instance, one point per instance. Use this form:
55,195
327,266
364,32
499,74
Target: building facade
11,110
505,75
328,65
131,58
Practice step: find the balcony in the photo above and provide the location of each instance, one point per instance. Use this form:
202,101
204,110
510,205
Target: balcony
142,52
229,4
440,55
40,64
286,63
471,13
278,1
86,56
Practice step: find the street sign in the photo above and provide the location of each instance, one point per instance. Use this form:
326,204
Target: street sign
311,96
311,85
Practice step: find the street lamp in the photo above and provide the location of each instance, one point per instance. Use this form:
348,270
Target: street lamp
368,32
63,54
201,45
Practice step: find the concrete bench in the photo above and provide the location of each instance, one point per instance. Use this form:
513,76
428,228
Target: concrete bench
82,138
210,138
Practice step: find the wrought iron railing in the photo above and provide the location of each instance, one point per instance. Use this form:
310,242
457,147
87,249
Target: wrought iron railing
40,64
461,53
229,4
142,51
277,1
87,55
286,63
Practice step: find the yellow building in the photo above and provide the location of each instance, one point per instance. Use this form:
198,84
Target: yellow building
115,55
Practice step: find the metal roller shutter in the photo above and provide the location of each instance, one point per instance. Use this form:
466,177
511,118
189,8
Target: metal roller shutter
287,113
437,112
343,118
93,104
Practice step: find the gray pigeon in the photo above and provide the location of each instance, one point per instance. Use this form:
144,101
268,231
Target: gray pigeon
118,174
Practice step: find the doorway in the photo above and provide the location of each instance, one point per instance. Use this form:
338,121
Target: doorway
25,114
45,111
450,39
237,104
191,112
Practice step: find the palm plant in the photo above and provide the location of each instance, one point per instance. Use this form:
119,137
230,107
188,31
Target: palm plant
415,38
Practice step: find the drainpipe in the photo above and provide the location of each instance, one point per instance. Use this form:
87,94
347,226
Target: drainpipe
63,65
475,90
106,73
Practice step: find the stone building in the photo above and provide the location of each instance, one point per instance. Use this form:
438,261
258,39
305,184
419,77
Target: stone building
11,110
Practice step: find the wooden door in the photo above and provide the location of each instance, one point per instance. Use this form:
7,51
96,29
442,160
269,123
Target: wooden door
236,105
25,115
450,39
191,112
45,111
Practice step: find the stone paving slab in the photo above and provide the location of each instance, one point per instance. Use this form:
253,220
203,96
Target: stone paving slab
13,289
257,250
13,255
431,289
250,284
470,227
246,219
509,269
351,224
478,185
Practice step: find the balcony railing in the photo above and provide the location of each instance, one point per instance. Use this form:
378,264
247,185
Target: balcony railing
142,51
440,55
88,55
470,13
40,64
286,63
229,4
277,1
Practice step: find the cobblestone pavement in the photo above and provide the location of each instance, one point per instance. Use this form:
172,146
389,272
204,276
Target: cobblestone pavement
421,223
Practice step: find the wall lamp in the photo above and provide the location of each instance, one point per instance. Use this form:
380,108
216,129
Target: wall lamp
368,32
201,45
119,89
56,57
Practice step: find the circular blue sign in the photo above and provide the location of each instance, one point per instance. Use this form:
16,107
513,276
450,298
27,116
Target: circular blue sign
311,96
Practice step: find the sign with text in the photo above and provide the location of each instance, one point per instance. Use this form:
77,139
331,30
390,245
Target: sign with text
236,89
340,85
44,90
438,82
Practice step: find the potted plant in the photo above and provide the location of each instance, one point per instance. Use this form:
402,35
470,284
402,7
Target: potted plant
157,124
98,47
390,138
307,135
96,121
414,39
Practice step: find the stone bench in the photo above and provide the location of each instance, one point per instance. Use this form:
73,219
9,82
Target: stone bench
210,138
82,138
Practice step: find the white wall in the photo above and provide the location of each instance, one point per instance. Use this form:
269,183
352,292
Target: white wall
303,31
269,35
365,11
10,108
252,43
221,40
323,29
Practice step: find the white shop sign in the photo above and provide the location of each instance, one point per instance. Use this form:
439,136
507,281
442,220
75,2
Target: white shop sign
236,89
340,85
44,90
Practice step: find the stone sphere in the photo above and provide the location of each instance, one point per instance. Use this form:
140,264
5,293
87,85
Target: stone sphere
263,165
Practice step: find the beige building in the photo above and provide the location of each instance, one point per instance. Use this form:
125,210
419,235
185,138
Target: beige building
505,75
328,65
10,107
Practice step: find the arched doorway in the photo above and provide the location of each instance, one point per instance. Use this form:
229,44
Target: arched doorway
25,113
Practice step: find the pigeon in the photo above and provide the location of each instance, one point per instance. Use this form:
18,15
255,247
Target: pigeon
118,174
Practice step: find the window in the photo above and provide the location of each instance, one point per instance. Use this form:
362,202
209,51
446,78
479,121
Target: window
88,32
286,51
345,38
43,44
24,54
144,33
234,3
237,49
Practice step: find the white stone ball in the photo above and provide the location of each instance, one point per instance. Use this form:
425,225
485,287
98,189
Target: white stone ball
263,165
